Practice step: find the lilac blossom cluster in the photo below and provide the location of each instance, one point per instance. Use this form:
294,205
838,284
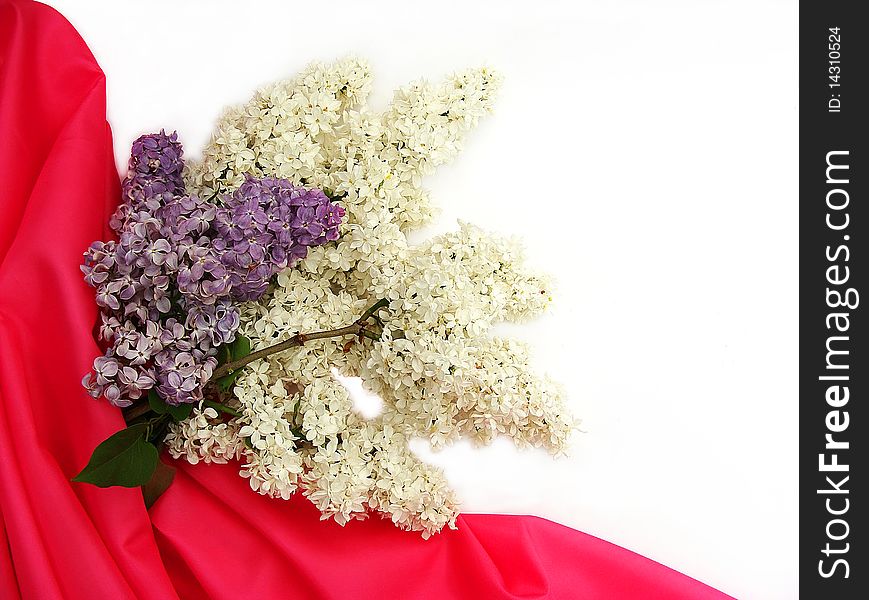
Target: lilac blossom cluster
266,225
168,288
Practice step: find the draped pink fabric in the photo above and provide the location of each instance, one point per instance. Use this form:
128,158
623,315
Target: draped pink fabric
209,536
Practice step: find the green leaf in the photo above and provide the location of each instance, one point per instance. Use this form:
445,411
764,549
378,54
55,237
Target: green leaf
159,406
158,483
180,412
126,459
240,347
224,354
225,383
222,408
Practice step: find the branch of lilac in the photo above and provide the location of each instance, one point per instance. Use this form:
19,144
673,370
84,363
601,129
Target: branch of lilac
360,328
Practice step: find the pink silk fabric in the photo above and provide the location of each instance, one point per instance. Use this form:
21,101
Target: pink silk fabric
209,536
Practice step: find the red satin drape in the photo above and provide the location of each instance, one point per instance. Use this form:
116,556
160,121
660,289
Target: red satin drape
209,536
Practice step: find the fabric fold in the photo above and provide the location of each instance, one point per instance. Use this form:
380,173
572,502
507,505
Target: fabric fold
209,535
55,154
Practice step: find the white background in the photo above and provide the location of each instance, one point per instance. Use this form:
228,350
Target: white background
647,152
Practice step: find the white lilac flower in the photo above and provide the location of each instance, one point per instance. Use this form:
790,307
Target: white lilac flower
440,372
203,437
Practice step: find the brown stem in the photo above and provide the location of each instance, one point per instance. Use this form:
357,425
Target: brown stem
136,410
356,329
297,340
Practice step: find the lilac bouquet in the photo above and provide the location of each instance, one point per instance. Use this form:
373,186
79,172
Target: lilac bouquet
219,350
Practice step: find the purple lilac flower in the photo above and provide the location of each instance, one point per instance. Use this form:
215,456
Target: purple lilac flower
267,225
167,288
154,171
181,375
